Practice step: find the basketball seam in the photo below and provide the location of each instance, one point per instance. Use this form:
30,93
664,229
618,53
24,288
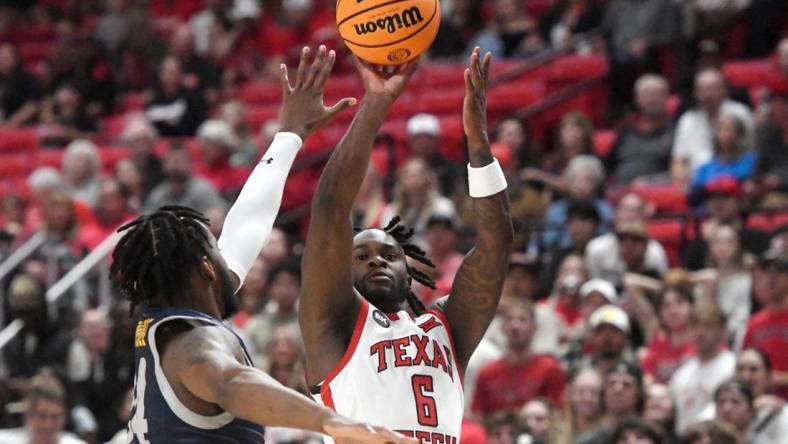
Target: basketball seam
367,10
434,13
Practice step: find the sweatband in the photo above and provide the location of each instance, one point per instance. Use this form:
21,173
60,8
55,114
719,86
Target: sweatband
251,218
487,180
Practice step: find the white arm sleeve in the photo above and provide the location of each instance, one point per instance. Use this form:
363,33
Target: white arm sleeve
249,222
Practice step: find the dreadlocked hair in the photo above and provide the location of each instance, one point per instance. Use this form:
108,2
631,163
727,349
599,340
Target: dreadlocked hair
158,252
402,234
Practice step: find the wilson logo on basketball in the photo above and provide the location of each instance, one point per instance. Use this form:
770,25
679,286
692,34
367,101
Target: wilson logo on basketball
399,55
391,23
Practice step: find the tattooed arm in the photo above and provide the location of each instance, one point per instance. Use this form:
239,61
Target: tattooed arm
477,286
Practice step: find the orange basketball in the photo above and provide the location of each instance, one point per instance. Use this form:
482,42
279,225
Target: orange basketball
388,32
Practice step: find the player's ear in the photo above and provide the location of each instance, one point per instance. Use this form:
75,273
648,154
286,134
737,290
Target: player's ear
207,269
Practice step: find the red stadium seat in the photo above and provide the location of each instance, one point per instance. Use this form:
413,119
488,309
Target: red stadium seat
18,140
577,67
31,51
53,158
760,221
12,165
452,137
513,97
442,75
669,234
261,92
441,102
667,198
110,155
603,142
780,220
748,73
258,115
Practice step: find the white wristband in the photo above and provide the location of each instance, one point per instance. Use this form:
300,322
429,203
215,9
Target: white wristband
487,180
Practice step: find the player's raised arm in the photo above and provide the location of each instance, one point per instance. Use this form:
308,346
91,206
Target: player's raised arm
328,302
251,218
204,362
477,286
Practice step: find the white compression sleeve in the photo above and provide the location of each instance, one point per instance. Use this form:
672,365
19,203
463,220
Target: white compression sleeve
251,218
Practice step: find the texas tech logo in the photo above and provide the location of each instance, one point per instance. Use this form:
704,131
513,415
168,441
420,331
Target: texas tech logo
391,23
381,319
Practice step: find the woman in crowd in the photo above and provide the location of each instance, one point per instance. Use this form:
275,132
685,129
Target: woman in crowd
735,405
417,197
732,156
729,281
583,408
672,344
540,419
659,410
81,170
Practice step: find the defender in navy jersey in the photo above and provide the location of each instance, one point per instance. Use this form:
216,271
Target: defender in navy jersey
194,380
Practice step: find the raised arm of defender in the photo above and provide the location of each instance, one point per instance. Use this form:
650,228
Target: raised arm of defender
250,220
477,286
328,302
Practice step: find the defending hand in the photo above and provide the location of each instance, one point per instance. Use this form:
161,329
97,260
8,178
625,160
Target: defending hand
303,111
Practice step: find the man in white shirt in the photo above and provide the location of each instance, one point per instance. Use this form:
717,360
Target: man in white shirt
694,383
694,144
603,254
45,416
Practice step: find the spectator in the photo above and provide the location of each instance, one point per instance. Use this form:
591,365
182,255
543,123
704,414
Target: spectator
694,383
731,282
635,31
19,90
595,293
539,419
522,279
370,201
180,187
252,295
45,415
459,25
278,248
42,342
754,367
672,344
441,245
513,32
574,137
584,176
607,339
709,432
643,144
734,402
202,22
175,110
280,311
512,135
246,153
284,32
112,27
584,405
140,135
567,18
771,173
199,73
218,142
633,430
623,397
519,375
582,224
725,202
64,116
81,169
112,209
97,379
767,328
141,51
558,317
660,411
12,222
42,182
693,145
632,241
731,155
424,133
130,177
603,254
417,197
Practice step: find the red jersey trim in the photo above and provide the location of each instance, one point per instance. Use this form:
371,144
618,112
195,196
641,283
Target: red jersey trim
442,317
325,390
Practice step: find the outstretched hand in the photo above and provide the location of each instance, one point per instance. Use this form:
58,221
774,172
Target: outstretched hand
303,111
383,81
474,107
347,431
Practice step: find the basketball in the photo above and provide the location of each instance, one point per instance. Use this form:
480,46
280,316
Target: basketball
387,32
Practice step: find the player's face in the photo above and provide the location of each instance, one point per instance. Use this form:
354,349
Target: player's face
380,272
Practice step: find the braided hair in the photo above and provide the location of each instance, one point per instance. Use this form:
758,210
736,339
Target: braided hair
402,234
159,252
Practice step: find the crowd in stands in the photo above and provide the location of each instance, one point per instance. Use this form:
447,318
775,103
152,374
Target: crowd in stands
646,299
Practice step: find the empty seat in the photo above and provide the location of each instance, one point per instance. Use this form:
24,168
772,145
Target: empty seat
575,67
18,140
261,92
257,116
513,97
748,73
667,198
603,142
441,102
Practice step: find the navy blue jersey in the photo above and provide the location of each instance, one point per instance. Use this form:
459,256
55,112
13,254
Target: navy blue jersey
158,416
